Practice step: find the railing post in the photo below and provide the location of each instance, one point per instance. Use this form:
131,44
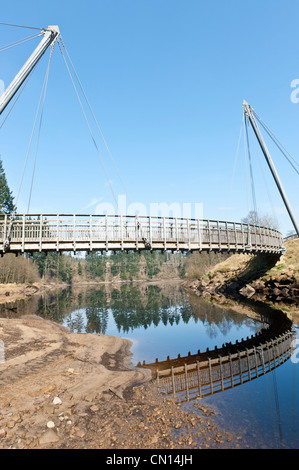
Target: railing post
74,232
23,233
121,233
41,233
188,231
106,228
90,232
177,234
240,367
57,236
248,364
227,236
173,384
198,377
211,378
236,237
221,373
164,233
199,235
186,381
209,232
5,231
219,235
136,232
231,370
243,237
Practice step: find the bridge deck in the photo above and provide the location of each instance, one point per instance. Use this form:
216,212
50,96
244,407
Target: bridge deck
37,232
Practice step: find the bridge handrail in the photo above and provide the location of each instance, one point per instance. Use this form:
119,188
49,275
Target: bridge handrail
169,232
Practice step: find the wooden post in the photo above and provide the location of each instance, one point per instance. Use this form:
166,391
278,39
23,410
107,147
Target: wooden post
199,235
199,377
243,237
177,234
40,233
57,238
121,233
209,232
221,373
248,364
90,232
150,231
186,382
106,228
236,237
188,231
173,384
240,367
219,235
211,378
231,370
227,236
23,233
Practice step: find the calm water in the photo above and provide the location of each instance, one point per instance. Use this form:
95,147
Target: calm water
163,320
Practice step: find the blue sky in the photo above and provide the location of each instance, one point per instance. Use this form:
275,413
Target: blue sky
166,81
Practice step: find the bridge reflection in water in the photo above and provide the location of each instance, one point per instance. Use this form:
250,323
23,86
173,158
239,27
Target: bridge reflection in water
198,378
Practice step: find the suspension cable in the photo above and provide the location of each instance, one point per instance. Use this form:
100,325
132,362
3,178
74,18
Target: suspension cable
279,145
234,168
33,131
40,124
16,98
246,169
87,122
20,41
22,26
93,115
251,172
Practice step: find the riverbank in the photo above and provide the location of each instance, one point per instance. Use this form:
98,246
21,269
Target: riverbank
272,280
66,390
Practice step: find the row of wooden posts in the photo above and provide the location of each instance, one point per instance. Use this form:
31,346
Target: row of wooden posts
214,375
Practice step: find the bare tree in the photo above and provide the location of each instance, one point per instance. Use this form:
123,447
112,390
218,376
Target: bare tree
265,220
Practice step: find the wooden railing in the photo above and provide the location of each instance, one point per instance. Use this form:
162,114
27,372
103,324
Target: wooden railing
203,378
48,232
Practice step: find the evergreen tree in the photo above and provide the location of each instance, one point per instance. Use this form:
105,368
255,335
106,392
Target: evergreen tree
6,198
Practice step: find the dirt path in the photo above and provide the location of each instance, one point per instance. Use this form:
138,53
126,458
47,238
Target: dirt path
65,390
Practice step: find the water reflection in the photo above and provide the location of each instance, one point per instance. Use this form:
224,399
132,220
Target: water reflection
161,320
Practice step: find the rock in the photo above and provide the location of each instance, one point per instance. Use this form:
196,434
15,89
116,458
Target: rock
48,437
57,401
50,424
94,408
247,291
2,433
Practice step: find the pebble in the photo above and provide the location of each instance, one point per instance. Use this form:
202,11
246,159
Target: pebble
57,401
50,425
48,437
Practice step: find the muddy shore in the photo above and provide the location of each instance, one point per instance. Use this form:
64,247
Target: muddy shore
62,390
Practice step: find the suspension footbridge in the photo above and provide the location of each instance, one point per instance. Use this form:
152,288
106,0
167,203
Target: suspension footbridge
20,233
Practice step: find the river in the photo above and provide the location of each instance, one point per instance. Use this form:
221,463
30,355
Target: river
164,320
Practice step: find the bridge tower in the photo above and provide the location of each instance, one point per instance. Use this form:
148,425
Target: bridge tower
248,111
